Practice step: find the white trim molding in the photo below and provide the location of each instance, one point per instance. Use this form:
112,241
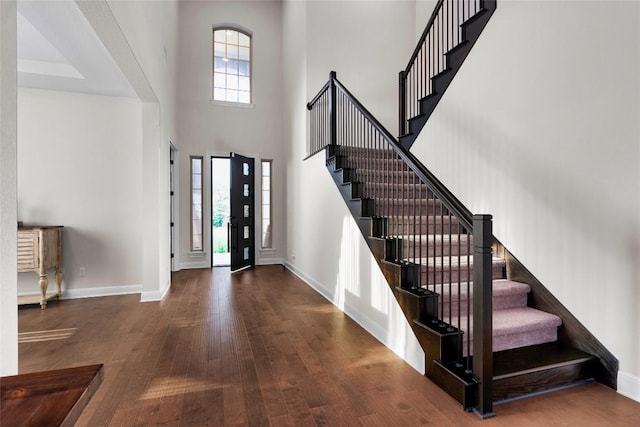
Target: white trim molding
103,291
629,385
150,296
355,314
270,261
194,264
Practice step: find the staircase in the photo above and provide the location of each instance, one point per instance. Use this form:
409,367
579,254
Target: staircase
451,32
490,331
527,357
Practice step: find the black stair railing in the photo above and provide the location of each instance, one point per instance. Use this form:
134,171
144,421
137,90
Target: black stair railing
443,33
432,235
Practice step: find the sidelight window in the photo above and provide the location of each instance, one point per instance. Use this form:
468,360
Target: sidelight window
267,231
196,204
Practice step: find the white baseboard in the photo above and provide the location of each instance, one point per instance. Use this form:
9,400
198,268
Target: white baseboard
103,291
375,330
194,264
106,291
150,296
270,261
629,385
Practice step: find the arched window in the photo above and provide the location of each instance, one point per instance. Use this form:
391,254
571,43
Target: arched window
231,65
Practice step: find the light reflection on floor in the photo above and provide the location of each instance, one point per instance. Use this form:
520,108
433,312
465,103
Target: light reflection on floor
174,386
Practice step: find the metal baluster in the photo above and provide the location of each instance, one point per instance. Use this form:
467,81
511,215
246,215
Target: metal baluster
442,255
469,304
372,162
384,179
421,201
395,204
447,14
415,235
459,276
451,270
431,206
339,117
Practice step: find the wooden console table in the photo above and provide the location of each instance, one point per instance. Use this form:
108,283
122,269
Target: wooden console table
40,249
51,398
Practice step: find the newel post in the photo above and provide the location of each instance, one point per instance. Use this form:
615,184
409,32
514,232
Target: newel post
482,314
333,110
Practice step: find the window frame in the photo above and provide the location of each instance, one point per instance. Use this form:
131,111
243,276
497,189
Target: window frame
249,34
262,204
191,203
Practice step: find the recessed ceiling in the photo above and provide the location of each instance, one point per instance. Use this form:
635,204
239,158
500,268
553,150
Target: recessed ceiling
58,50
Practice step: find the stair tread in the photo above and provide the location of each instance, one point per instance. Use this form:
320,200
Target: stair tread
507,363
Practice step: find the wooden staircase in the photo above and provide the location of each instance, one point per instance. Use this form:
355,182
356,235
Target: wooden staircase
528,359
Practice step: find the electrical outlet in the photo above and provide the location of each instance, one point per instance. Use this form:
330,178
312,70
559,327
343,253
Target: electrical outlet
293,255
83,271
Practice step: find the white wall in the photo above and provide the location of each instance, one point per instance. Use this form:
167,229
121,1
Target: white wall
540,128
366,43
8,191
424,9
206,129
151,30
79,160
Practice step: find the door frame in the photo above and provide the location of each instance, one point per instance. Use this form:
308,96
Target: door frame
206,215
210,203
174,202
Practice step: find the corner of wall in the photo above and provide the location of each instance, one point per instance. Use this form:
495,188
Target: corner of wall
629,385
150,296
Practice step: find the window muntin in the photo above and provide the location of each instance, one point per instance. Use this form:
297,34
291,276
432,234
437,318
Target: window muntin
267,231
231,65
196,204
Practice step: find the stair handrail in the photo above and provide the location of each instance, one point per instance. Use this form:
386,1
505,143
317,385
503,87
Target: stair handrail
482,233
424,35
318,95
429,71
450,201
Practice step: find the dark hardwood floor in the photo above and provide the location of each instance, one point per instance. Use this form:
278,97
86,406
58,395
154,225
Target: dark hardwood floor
261,348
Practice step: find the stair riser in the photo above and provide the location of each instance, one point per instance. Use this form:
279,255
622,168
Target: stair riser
409,189
398,199
455,275
377,176
421,225
423,249
366,152
522,339
499,303
534,382
419,209
387,164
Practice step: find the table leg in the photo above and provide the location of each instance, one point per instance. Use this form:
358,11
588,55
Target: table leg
59,281
44,283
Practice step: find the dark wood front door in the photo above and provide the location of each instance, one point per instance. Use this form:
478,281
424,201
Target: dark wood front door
242,212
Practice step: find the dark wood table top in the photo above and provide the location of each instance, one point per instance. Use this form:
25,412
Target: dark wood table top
50,398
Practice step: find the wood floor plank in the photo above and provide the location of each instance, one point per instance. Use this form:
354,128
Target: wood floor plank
260,347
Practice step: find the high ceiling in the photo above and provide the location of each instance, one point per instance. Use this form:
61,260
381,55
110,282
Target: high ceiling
58,50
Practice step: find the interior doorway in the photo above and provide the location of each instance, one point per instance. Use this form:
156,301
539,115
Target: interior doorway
220,211
172,204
